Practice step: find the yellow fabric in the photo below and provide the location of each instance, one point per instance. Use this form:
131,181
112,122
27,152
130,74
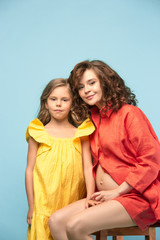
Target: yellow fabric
58,175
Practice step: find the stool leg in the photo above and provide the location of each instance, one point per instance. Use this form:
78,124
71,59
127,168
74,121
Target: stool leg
117,237
97,235
101,235
152,234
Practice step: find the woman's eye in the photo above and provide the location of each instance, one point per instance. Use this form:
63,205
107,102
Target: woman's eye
65,100
91,83
80,87
53,99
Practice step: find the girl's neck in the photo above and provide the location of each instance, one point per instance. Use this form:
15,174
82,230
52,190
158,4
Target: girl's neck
60,129
59,123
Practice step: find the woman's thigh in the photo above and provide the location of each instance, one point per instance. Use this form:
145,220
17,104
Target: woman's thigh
107,215
65,213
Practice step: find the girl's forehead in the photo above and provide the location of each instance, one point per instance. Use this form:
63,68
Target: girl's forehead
61,90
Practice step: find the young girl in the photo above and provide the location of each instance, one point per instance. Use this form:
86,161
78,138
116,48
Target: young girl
54,173
126,154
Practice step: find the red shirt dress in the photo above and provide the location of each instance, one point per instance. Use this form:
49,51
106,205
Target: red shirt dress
127,148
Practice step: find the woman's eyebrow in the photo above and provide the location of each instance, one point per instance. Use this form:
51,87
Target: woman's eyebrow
89,80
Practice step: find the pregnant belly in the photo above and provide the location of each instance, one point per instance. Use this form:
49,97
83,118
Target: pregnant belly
103,180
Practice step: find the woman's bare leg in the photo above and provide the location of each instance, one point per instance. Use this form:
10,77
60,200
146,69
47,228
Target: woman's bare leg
74,222
59,219
107,215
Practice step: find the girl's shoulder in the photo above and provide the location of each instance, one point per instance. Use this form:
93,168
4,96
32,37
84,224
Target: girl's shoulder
37,131
85,128
36,123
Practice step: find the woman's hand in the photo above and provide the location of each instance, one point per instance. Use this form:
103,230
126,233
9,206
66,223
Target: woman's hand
29,216
91,203
103,196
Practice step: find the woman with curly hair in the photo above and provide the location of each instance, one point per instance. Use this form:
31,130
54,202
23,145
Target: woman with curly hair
126,158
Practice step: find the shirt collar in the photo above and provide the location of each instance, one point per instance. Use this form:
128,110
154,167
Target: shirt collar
103,112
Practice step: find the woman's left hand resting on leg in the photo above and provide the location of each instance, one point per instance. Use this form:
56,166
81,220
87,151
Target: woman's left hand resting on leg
103,196
91,203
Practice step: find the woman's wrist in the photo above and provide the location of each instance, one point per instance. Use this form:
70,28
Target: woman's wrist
124,188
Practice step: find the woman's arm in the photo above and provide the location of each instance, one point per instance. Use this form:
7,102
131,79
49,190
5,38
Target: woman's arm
87,168
145,144
111,194
31,159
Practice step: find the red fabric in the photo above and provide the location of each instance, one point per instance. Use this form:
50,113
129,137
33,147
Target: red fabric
127,148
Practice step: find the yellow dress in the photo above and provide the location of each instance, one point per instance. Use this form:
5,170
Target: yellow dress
58,175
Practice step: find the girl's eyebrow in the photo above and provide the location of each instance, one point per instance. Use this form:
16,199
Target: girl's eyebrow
51,96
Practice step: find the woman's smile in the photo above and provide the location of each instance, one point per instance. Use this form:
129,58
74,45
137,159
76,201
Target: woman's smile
90,89
90,97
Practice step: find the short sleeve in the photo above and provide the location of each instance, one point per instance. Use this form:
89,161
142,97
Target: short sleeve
37,131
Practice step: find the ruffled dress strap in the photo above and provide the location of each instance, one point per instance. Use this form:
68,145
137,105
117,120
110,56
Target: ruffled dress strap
85,129
37,131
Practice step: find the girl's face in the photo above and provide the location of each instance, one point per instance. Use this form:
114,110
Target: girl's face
90,89
59,103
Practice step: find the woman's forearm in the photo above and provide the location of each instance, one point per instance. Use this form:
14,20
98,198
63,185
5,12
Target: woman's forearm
124,188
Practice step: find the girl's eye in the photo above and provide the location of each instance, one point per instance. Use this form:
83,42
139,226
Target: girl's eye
65,99
53,99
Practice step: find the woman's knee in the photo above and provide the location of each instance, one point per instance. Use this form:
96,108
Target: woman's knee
74,227
54,221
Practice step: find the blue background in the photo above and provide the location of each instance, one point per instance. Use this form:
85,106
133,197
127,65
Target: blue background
44,39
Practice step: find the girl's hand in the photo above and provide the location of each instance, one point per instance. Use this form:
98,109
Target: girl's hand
103,196
29,216
91,203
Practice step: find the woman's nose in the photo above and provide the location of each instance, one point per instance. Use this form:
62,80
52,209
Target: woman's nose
86,89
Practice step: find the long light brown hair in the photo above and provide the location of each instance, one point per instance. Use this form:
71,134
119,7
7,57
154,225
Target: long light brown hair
114,91
44,115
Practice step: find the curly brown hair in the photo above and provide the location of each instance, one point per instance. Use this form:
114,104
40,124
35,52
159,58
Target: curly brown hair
44,115
114,91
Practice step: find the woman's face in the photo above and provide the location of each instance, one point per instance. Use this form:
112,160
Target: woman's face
89,89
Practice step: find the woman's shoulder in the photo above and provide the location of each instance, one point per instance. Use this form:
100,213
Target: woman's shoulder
133,115
128,109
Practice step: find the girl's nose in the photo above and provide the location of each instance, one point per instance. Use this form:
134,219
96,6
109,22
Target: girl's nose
58,103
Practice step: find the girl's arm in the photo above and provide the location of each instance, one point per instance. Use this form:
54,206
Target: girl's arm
31,159
87,168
